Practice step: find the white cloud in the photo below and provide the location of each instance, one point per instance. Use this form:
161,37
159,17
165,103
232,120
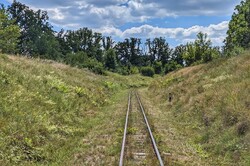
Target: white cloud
110,31
216,32
97,13
106,15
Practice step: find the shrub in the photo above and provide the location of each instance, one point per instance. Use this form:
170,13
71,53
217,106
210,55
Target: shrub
134,70
76,59
147,71
123,70
171,66
95,66
235,51
158,67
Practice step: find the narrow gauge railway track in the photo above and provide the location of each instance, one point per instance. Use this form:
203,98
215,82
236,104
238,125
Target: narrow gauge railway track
138,145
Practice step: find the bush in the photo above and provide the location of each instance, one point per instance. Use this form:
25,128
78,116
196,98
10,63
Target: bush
76,59
134,70
147,71
82,60
158,67
123,70
171,66
95,66
235,51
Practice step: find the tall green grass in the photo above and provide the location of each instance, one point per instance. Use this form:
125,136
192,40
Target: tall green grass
47,108
210,107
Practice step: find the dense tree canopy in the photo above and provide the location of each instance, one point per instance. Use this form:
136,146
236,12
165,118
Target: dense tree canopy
37,37
239,28
28,32
9,33
110,60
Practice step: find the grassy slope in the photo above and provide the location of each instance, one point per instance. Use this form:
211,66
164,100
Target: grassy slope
53,114
208,121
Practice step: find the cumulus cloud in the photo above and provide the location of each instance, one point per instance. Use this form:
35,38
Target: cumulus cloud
108,15
216,32
96,13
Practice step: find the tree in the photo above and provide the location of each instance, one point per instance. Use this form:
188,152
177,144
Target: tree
178,54
64,46
205,52
110,60
37,37
129,52
82,40
238,34
158,50
9,33
122,52
107,43
201,51
202,45
135,51
189,54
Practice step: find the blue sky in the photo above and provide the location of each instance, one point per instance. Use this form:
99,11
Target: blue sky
177,20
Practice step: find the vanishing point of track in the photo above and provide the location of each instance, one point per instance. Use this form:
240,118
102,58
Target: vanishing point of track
136,147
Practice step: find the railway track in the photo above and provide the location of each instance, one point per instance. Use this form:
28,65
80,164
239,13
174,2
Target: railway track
138,145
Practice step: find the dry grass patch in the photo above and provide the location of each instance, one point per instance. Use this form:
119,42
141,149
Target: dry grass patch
209,108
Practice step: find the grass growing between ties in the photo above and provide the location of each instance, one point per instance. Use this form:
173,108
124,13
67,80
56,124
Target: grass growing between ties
208,120
51,114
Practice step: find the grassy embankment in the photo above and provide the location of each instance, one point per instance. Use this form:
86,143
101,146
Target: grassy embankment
53,114
208,120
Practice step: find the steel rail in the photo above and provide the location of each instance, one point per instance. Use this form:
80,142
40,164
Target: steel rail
125,131
150,132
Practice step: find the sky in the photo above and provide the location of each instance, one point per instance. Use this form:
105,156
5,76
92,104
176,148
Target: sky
178,21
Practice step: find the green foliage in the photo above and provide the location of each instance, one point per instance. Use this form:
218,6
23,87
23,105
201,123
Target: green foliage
82,40
129,52
95,66
159,50
81,60
76,59
111,85
172,66
209,107
123,70
110,60
235,51
51,112
107,43
80,91
201,51
134,70
189,54
178,54
147,71
58,84
238,34
88,49
37,37
158,67
202,46
9,33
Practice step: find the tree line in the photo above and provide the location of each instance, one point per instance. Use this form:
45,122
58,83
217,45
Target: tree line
27,32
